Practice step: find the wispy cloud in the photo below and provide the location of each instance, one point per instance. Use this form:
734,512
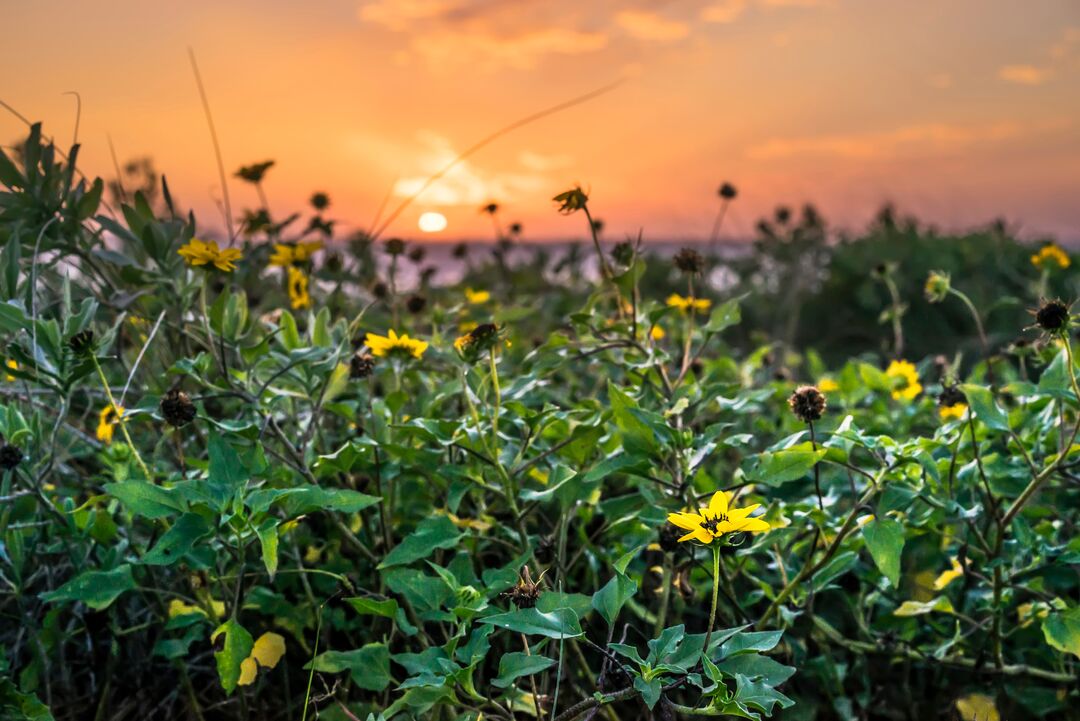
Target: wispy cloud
1056,56
1025,74
723,11
932,137
521,50
645,25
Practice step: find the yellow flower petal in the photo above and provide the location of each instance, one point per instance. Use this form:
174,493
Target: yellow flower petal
977,707
719,503
688,521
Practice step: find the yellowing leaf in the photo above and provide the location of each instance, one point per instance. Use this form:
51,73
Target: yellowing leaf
268,650
179,608
248,670
915,608
949,576
977,707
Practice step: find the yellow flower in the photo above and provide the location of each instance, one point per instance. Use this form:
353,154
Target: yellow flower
953,412
947,577
107,420
1051,254
718,519
476,297
179,608
298,289
13,365
684,304
657,333
905,371
288,254
392,342
206,252
827,385
267,651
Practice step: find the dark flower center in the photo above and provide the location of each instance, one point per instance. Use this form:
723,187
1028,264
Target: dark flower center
711,524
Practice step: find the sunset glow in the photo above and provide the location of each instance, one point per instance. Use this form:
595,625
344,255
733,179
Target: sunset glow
841,103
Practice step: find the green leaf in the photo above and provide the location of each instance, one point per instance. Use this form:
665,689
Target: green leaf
97,589
146,499
368,666
372,607
1055,380
432,533
227,473
637,435
885,541
560,623
178,540
609,600
1062,630
724,316
314,498
515,665
650,690
790,464
267,532
986,409
232,644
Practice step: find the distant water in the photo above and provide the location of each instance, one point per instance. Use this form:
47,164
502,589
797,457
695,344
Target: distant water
450,270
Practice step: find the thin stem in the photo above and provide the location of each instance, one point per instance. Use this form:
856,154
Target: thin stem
120,418
715,594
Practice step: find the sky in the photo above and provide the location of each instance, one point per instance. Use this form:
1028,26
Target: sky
959,112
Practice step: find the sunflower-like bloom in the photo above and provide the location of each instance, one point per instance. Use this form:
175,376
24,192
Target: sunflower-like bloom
13,366
298,289
718,519
478,341
476,297
206,252
954,412
657,333
572,200
910,386
107,420
1051,255
288,254
393,344
828,385
688,302
937,286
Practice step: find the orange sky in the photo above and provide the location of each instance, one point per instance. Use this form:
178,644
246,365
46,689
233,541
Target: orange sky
959,111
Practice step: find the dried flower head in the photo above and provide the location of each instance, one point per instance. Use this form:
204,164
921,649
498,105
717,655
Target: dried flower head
10,456
320,201
525,593
361,365
395,246
480,340
689,261
572,200
727,191
177,408
807,403
416,304
1053,317
623,253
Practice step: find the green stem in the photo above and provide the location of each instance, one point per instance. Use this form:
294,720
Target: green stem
715,594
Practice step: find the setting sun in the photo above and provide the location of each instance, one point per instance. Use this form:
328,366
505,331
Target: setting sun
432,222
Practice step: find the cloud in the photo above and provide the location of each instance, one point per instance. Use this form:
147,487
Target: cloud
466,184
1024,74
931,137
645,25
400,15
489,50
724,11
542,163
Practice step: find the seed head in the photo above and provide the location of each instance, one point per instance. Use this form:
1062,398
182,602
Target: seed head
417,253
525,593
320,201
395,246
10,456
1052,316
727,191
361,365
177,408
689,261
460,250
416,304
807,403
623,253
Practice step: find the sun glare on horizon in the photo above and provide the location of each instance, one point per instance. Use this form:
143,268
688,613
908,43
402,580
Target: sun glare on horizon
432,222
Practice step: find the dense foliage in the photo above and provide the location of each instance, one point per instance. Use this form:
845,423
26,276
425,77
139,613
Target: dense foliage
262,479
